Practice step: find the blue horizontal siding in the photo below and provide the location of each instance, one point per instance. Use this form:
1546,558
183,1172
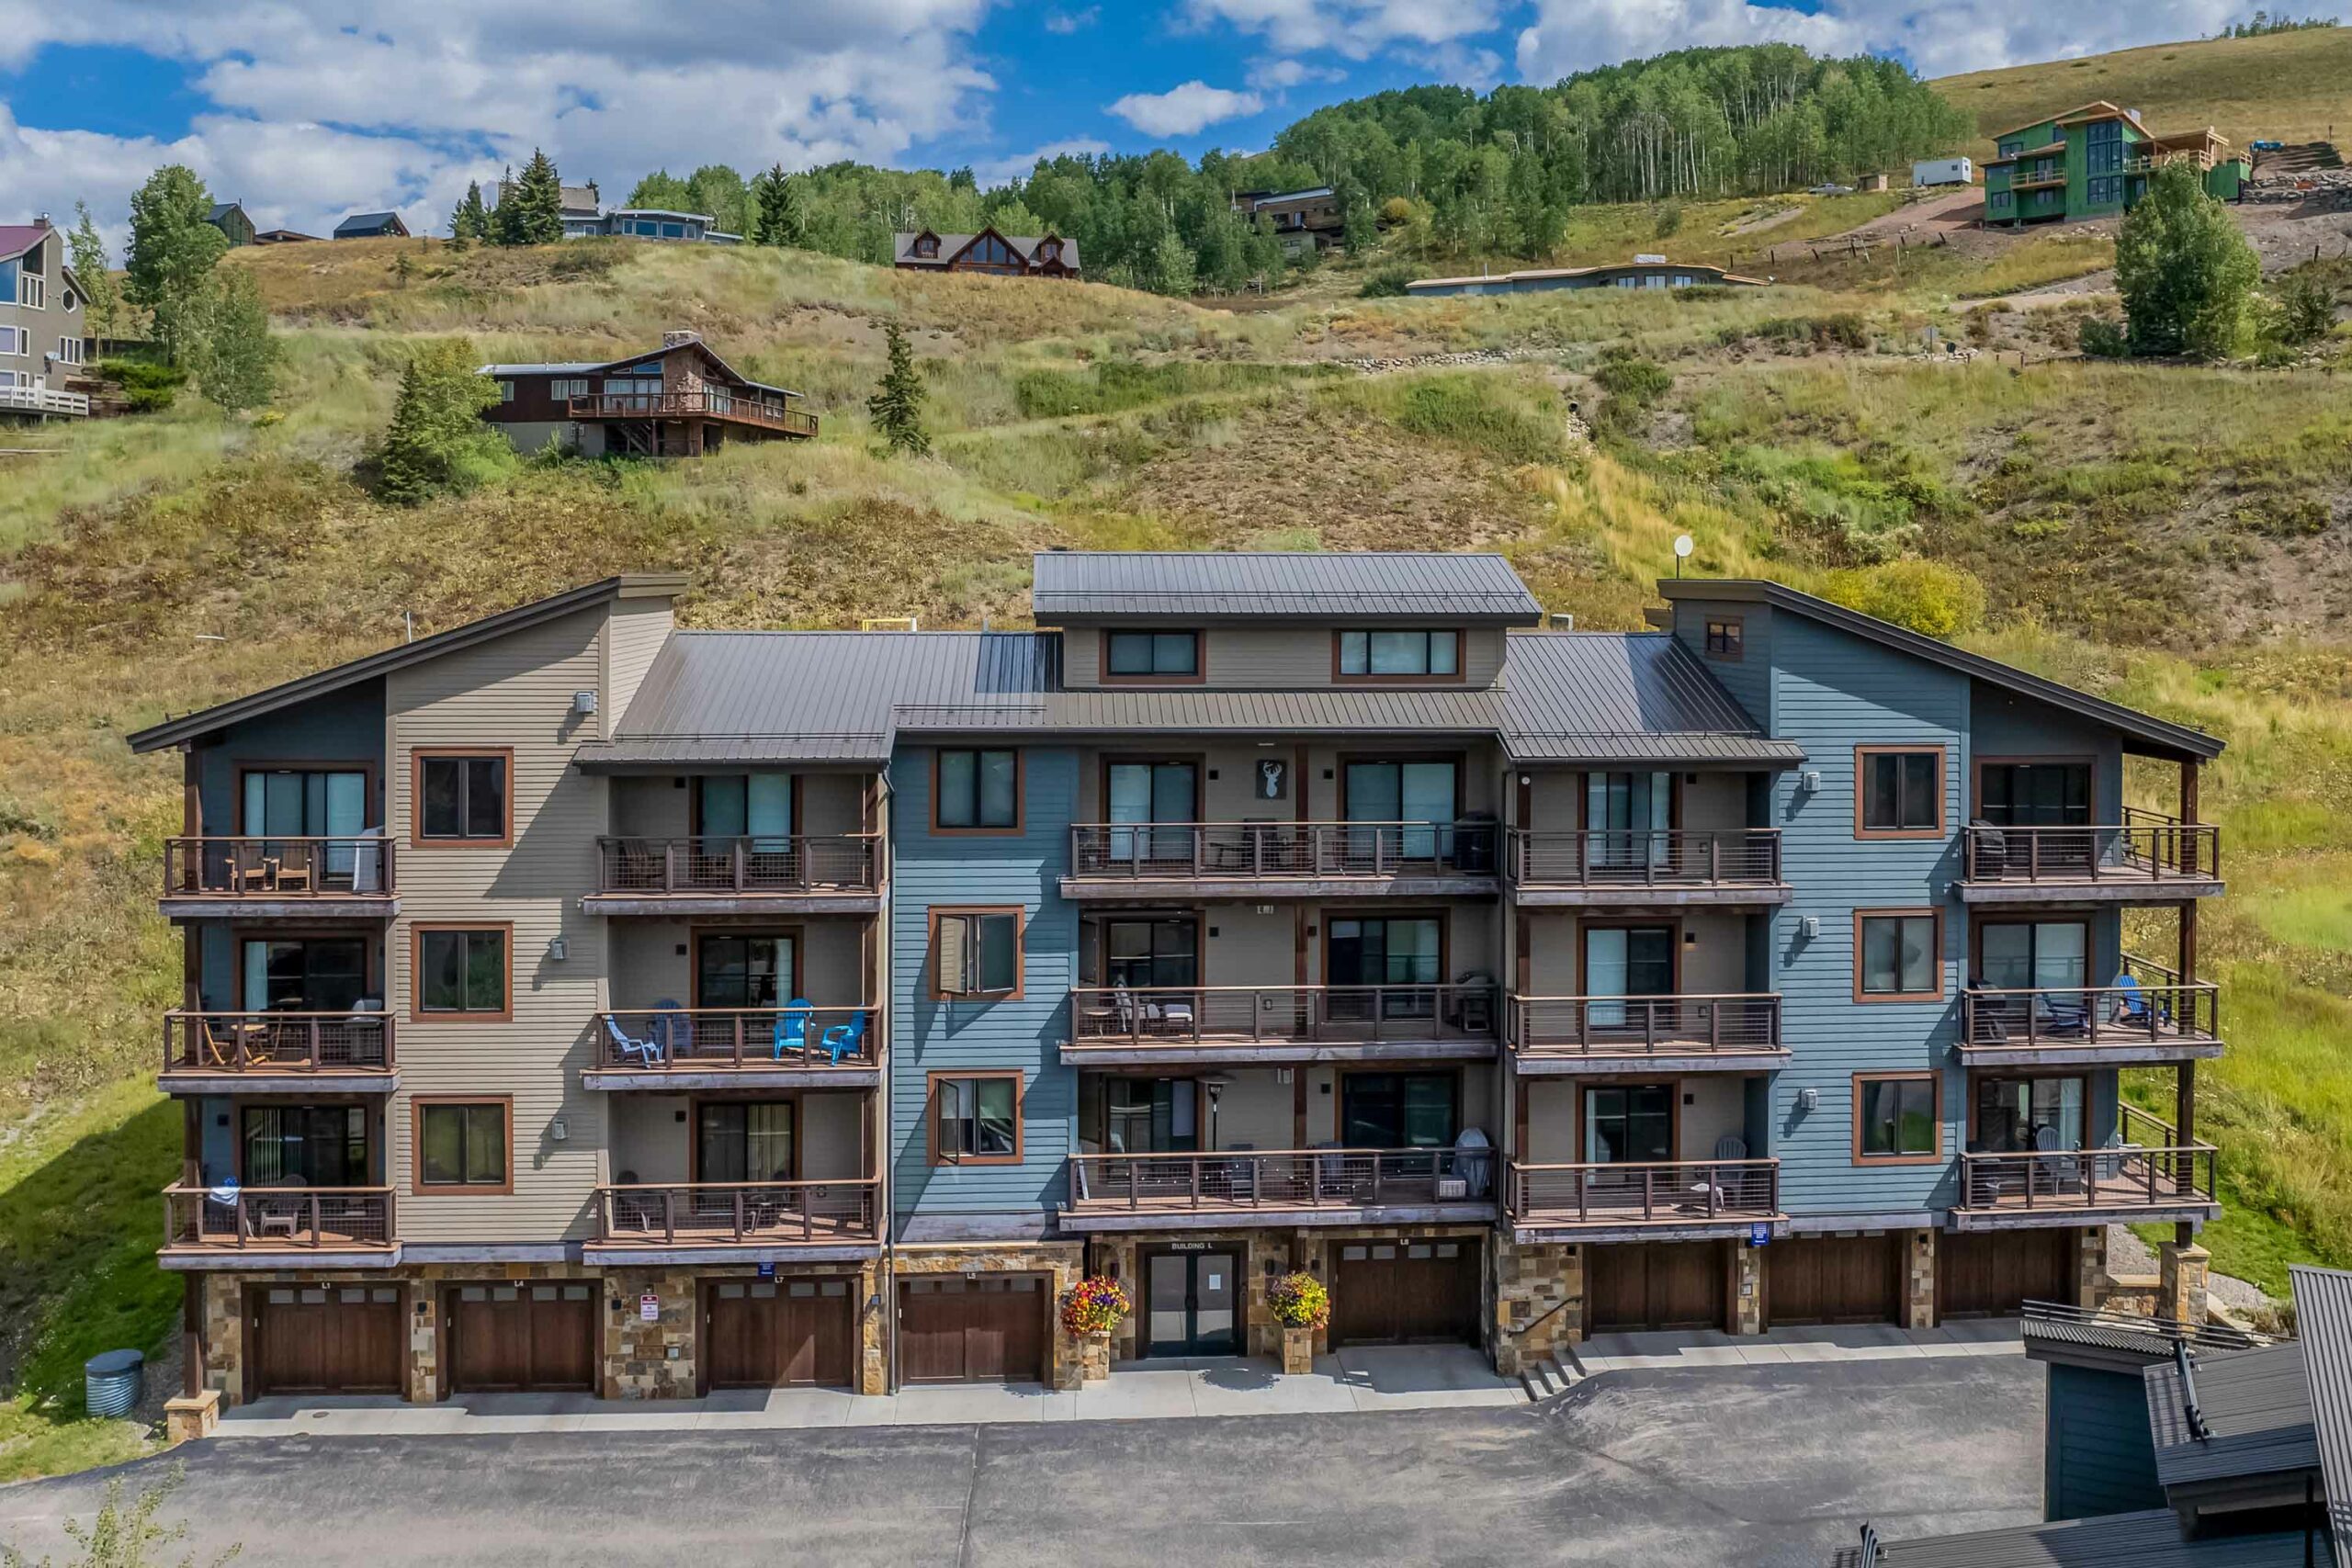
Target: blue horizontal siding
2098,1457
348,727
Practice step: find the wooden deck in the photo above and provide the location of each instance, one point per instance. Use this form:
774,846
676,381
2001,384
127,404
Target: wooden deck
1663,867
2149,1170
1691,1198
1683,1033
2145,858
1279,1186
255,1224
2157,1020
1280,1023
656,1218
727,407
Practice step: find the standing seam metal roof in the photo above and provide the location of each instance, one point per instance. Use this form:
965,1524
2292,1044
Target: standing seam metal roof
2257,1410
2150,1539
1624,696
2323,1318
1193,584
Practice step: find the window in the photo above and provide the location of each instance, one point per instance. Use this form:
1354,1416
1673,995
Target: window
1128,656
743,1141
462,971
1399,1110
976,792
32,292
927,246
976,952
1413,655
461,1145
1425,797
674,230
305,1145
2103,147
976,1118
1898,792
506,391
745,806
2034,794
2012,1114
1725,639
1138,1116
463,797
1898,1118
13,339
561,387
2012,147
1629,1124
1151,952
69,351
2105,190
304,974
1898,955
1997,200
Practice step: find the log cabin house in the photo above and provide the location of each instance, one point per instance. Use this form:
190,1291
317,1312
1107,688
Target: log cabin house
1010,255
678,400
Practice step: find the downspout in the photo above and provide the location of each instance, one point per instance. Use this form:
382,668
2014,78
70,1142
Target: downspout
887,1211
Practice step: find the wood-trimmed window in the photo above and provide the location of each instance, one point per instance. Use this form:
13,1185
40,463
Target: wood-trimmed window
462,796
1898,792
464,1144
975,790
976,953
1898,955
1144,655
1404,653
1726,638
1898,1118
975,1118
462,972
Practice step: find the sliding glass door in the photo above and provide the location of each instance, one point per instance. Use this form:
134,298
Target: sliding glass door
1628,815
1426,796
1625,961
293,803
1149,793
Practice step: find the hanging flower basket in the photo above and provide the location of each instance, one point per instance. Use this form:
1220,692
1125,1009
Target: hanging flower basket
1093,1305
1299,1301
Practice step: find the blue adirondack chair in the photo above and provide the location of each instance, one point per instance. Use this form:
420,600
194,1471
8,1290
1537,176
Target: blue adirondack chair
845,1039
791,1026
645,1052
2132,1005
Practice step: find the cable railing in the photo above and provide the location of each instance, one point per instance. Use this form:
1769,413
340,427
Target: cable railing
1615,1026
740,863
1197,1015
1645,857
1163,850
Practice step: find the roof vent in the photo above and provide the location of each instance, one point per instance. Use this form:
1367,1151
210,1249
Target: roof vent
1563,621
672,339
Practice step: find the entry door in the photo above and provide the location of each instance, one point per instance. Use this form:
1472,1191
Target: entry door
2013,1113
754,806
305,974
1400,954
1191,1298
1425,796
2035,794
1622,961
1629,1124
1148,793
743,971
1628,814
299,804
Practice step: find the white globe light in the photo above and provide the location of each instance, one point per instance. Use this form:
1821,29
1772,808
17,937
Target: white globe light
1683,547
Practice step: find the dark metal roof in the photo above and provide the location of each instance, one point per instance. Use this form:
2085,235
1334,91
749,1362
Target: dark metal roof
585,368
2257,1411
2157,737
365,223
951,246
2323,1318
2151,1540
188,727
2121,1341
1358,585
1611,696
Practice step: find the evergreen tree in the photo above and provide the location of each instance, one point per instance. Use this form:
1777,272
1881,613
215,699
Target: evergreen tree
530,210
777,204
237,365
437,441
169,269
101,294
896,406
2185,269
471,219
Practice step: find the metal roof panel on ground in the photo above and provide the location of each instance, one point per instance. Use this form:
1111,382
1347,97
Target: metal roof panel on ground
1624,696
2323,1318
1195,585
2151,1540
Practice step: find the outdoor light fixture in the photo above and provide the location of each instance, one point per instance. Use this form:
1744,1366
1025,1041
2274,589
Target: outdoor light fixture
558,949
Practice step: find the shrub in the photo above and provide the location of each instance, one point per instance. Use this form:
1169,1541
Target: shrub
2185,269
147,386
1634,384
1299,1301
2104,339
1924,596
1388,283
2306,307
1093,1305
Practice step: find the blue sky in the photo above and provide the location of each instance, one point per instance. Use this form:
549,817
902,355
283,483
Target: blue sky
307,109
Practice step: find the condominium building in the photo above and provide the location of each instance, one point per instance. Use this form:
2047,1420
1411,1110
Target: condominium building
578,1001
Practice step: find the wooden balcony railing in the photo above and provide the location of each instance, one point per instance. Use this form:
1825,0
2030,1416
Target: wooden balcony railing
1242,1181
1275,1015
1665,1191
2146,1164
788,863
255,1219
698,1039
1645,857
693,405
278,867
2145,845
2157,1010
1613,1026
277,1042
750,1213
1164,851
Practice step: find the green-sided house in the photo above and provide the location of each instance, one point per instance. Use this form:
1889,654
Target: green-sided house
2092,160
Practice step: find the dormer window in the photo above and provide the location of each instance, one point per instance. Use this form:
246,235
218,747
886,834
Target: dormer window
1398,655
1153,655
1050,251
928,246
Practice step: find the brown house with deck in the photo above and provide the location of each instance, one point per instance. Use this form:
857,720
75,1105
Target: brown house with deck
678,400
1008,255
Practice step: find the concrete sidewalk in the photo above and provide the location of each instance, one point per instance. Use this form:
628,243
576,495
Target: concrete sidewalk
1417,1377
1863,1342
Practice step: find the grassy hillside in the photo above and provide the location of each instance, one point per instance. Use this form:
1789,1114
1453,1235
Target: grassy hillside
2288,86
2170,536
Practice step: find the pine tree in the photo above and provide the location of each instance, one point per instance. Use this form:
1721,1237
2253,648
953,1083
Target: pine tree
101,294
530,210
437,441
896,406
237,366
472,221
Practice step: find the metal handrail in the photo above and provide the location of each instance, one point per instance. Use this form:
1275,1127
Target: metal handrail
1183,1015
277,1042
1992,1017
279,865
2145,845
672,1038
1648,1190
1648,857
1729,1022
253,1216
739,862
739,1211
1256,1178
1286,849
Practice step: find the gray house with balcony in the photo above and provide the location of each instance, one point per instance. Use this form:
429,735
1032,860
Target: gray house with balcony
846,994
43,339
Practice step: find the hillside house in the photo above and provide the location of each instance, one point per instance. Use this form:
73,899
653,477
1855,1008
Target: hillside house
231,220
284,237
656,223
1643,272
372,226
1010,255
2094,161
678,400
43,340
584,210
1300,218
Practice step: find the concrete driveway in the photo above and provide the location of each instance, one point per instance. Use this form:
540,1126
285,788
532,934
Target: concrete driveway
1754,1466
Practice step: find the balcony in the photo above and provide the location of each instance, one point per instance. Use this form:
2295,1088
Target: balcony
1665,1200
2023,180
1285,860
1293,1187
2146,858
259,878
736,1221
837,874
2152,1020
1662,866
1279,1025
257,1228
277,1052
675,1050
1616,1034
2146,1172
753,411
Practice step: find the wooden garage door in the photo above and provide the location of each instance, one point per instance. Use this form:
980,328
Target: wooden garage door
326,1339
1995,1273
528,1337
1834,1278
1398,1292
1656,1284
778,1333
990,1328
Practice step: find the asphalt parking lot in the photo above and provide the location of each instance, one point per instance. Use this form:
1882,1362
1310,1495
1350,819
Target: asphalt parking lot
1760,1467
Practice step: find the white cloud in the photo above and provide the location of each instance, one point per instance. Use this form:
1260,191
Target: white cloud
1281,75
1068,22
1356,28
1183,110
994,172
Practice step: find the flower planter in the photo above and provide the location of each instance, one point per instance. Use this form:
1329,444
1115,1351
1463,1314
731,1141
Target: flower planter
1298,1351
1095,1356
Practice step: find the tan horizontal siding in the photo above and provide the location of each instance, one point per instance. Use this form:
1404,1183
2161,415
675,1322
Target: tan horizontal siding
633,636
1286,656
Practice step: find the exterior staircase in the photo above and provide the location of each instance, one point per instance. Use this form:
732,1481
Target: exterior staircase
1552,1376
